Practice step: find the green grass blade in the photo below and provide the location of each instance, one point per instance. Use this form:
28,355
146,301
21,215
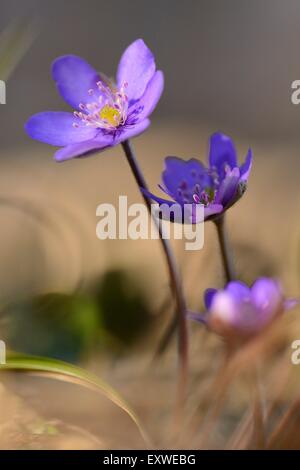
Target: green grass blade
15,41
59,370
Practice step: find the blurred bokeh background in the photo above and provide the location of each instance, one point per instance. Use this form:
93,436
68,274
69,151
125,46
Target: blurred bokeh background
228,66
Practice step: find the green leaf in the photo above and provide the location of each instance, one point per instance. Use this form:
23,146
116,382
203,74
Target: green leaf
59,370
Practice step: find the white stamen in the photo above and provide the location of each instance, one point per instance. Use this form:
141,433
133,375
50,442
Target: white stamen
115,103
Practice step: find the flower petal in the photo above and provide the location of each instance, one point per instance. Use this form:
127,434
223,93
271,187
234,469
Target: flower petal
131,131
212,209
83,148
224,308
222,153
239,290
181,176
74,78
245,168
155,198
208,297
145,105
172,211
291,303
56,128
267,297
136,67
228,187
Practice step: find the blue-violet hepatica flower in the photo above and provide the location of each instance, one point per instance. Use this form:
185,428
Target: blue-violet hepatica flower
217,186
105,113
242,311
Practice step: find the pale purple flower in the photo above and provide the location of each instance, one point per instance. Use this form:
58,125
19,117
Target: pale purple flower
217,186
105,113
239,310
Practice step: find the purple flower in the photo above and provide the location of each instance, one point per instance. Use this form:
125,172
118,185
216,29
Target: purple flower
239,310
217,187
105,113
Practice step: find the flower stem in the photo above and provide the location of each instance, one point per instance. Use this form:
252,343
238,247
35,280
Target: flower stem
224,248
175,280
229,274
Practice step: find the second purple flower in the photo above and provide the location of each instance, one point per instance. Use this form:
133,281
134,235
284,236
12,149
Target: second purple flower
217,186
239,311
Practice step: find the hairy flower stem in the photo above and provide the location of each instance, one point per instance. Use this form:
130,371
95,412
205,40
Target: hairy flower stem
175,280
229,275
224,248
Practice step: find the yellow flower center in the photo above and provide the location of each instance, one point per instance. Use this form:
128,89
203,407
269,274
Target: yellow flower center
110,115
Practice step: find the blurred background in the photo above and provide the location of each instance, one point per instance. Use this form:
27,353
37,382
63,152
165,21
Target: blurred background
228,66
